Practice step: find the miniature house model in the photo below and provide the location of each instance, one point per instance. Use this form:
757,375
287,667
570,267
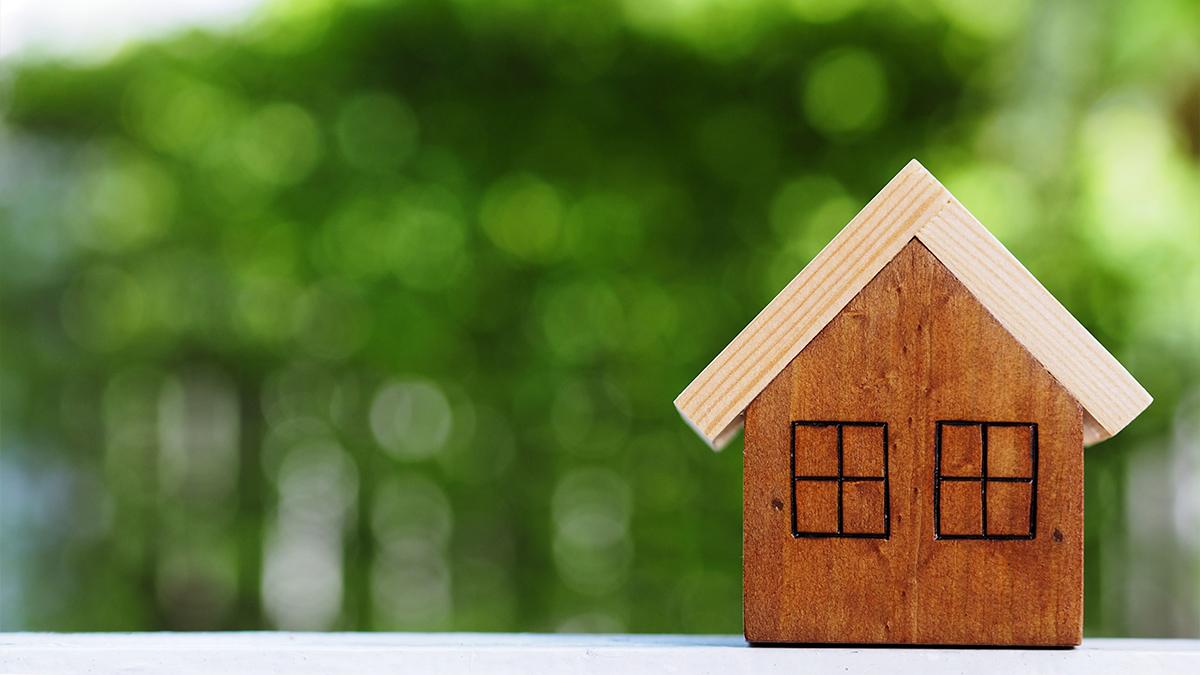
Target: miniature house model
916,406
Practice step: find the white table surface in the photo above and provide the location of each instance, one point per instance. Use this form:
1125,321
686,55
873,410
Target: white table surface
331,653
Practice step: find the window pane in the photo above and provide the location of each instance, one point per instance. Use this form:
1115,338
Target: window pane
816,507
1008,508
962,450
862,507
816,450
961,508
862,451
1009,451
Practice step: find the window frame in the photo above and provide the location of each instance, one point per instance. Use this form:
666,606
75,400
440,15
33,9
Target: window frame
983,479
841,479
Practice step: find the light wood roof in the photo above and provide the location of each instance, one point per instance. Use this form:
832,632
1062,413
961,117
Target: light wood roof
913,204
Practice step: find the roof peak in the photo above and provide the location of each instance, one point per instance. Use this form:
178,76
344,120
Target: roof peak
913,204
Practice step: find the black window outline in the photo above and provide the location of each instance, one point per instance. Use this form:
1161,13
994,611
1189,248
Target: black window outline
841,479
983,479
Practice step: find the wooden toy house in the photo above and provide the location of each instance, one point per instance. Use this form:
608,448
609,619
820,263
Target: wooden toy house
915,406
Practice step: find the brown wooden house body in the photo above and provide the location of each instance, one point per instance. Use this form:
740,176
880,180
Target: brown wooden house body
914,464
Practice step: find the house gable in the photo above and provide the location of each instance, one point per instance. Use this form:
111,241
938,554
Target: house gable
912,205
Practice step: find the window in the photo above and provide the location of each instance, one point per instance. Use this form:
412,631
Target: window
840,480
985,480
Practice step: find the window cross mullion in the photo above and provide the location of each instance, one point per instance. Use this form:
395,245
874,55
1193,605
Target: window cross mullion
984,479
869,494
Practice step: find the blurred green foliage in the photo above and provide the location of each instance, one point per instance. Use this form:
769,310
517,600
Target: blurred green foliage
366,316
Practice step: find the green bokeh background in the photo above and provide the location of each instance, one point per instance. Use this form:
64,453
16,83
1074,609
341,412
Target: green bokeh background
370,316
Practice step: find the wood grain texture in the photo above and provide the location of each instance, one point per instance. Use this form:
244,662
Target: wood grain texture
914,203
912,348
713,403
1105,389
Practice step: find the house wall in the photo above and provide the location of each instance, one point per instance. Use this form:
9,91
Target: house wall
914,347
